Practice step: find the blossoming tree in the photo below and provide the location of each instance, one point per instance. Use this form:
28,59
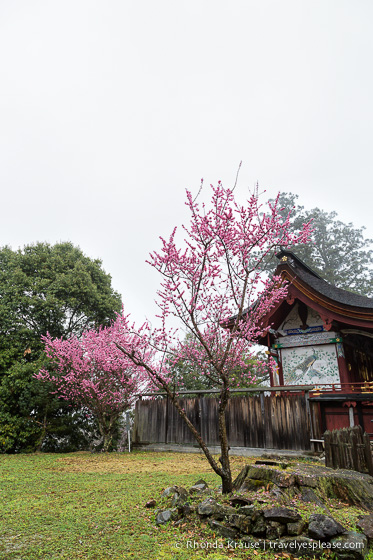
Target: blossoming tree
92,372
213,276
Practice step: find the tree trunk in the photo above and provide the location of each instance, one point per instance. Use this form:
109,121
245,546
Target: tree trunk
224,447
43,433
106,431
107,438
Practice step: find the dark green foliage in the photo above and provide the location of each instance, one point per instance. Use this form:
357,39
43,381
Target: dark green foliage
55,289
339,252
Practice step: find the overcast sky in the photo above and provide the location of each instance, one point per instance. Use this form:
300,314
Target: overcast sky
110,109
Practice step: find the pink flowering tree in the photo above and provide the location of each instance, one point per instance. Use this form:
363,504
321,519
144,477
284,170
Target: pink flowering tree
210,281
92,372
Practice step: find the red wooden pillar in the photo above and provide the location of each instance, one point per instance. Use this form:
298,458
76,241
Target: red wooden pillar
344,374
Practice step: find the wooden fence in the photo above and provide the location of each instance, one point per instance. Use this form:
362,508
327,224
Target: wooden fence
348,448
275,422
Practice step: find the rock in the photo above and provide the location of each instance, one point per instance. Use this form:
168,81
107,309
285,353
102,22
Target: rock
222,530
180,496
208,507
281,515
239,501
350,546
296,528
224,511
259,525
151,504
201,481
366,525
271,463
169,491
242,522
246,510
309,496
165,516
237,483
349,486
185,510
281,479
197,488
274,530
277,493
250,485
323,527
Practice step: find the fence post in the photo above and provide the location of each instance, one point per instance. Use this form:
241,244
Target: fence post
354,451
328,449
368,453
263,420
166,421
308,409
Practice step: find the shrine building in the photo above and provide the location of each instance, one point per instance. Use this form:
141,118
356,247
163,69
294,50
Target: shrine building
322,336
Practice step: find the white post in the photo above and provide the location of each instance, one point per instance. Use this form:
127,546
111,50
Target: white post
128,431
351,416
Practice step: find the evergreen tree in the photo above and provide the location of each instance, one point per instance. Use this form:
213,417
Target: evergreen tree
44,288
338,252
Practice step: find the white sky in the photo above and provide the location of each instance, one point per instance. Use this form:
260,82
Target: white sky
110,109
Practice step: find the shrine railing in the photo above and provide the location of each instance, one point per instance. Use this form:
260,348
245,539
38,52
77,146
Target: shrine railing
342,388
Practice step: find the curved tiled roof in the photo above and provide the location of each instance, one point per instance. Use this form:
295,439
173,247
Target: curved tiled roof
312,279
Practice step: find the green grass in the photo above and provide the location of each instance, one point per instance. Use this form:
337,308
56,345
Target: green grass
84,506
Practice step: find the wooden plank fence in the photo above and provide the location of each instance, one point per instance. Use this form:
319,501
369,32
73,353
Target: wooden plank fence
348,448
275,422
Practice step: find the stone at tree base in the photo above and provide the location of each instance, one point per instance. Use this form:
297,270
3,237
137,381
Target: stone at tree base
237,483
278,494
350,486
180,496
185,510
351,546
201,481
222,530
165,516
239,501
242,522
278,477
259,525
323,527
366,525
168,491
197,488
310,497
250,485
224,511
208,507
274,530
270,463
246,510
281,514
297,528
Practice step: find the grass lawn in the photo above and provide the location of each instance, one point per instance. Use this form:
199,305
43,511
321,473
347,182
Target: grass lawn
91,506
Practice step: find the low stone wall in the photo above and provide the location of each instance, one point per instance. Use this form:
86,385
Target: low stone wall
278,528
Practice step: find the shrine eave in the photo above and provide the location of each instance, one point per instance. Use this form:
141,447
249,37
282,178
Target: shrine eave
333,304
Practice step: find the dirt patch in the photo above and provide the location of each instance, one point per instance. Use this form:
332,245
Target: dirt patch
118,463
